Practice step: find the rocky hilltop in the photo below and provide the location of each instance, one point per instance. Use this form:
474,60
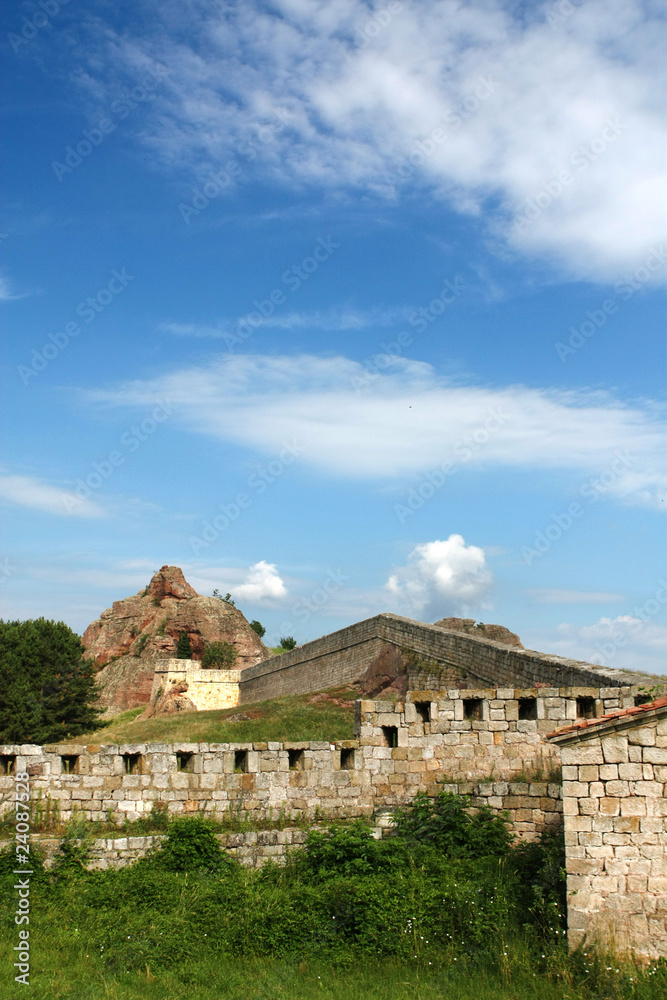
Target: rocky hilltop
496,633
129,637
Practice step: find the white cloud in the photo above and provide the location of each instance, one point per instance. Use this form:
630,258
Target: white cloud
440,577
259,584
27,491
553,596
338,319
262,583
411,420
518,101
7,294
626,642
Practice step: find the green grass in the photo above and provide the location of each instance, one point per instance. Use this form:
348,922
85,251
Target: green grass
325,716
66,968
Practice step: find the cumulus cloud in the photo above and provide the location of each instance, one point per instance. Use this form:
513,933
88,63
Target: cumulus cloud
258,584
27,491
410,420
262,583
441,577
549,126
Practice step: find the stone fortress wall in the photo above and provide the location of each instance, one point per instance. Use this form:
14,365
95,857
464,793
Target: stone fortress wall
488,742
455,659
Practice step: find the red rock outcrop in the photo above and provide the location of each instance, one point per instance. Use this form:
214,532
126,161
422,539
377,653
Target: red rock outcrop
129,637
497,633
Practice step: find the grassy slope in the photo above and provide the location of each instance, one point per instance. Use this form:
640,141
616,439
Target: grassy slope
325,716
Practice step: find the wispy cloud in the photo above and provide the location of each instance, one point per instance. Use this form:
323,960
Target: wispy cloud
552,596
7,293
27,491
486,105
409,420
331,319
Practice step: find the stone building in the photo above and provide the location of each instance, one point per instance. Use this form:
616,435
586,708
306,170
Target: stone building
614,796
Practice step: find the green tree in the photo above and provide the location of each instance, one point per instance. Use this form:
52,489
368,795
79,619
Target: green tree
184,649
227,598
48,687
219,656
288,642
258,628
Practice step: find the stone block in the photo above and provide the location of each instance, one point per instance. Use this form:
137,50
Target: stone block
615,749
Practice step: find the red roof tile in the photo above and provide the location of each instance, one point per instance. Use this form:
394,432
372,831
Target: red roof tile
610,717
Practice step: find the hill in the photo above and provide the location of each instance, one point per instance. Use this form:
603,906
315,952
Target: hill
129,637
326,715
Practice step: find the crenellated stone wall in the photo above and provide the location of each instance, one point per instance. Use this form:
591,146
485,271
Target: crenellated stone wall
488,742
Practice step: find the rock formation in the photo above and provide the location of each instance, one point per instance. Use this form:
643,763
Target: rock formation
496,633
130,636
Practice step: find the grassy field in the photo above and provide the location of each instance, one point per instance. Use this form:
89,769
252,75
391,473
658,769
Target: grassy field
328,715
67,972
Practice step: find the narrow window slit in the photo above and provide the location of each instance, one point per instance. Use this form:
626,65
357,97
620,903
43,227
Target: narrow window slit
527,708
70,763
131,763
472,709
241,761
185,762
390,736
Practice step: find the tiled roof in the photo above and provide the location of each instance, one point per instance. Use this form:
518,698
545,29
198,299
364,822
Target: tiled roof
635,710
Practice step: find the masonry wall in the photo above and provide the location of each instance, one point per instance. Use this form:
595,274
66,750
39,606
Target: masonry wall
615,805
206,689
462,661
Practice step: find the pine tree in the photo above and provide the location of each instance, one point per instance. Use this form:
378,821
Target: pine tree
184,649
48,687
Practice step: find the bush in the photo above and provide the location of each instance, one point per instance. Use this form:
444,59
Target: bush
288,642
184,649
191,845
219,656
258,628
447,824
48,686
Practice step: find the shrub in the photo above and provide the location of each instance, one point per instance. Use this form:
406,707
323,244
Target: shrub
219,656
446,823
288,642
191,845
184,649
258,628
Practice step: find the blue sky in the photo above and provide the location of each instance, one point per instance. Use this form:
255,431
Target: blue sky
342,307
